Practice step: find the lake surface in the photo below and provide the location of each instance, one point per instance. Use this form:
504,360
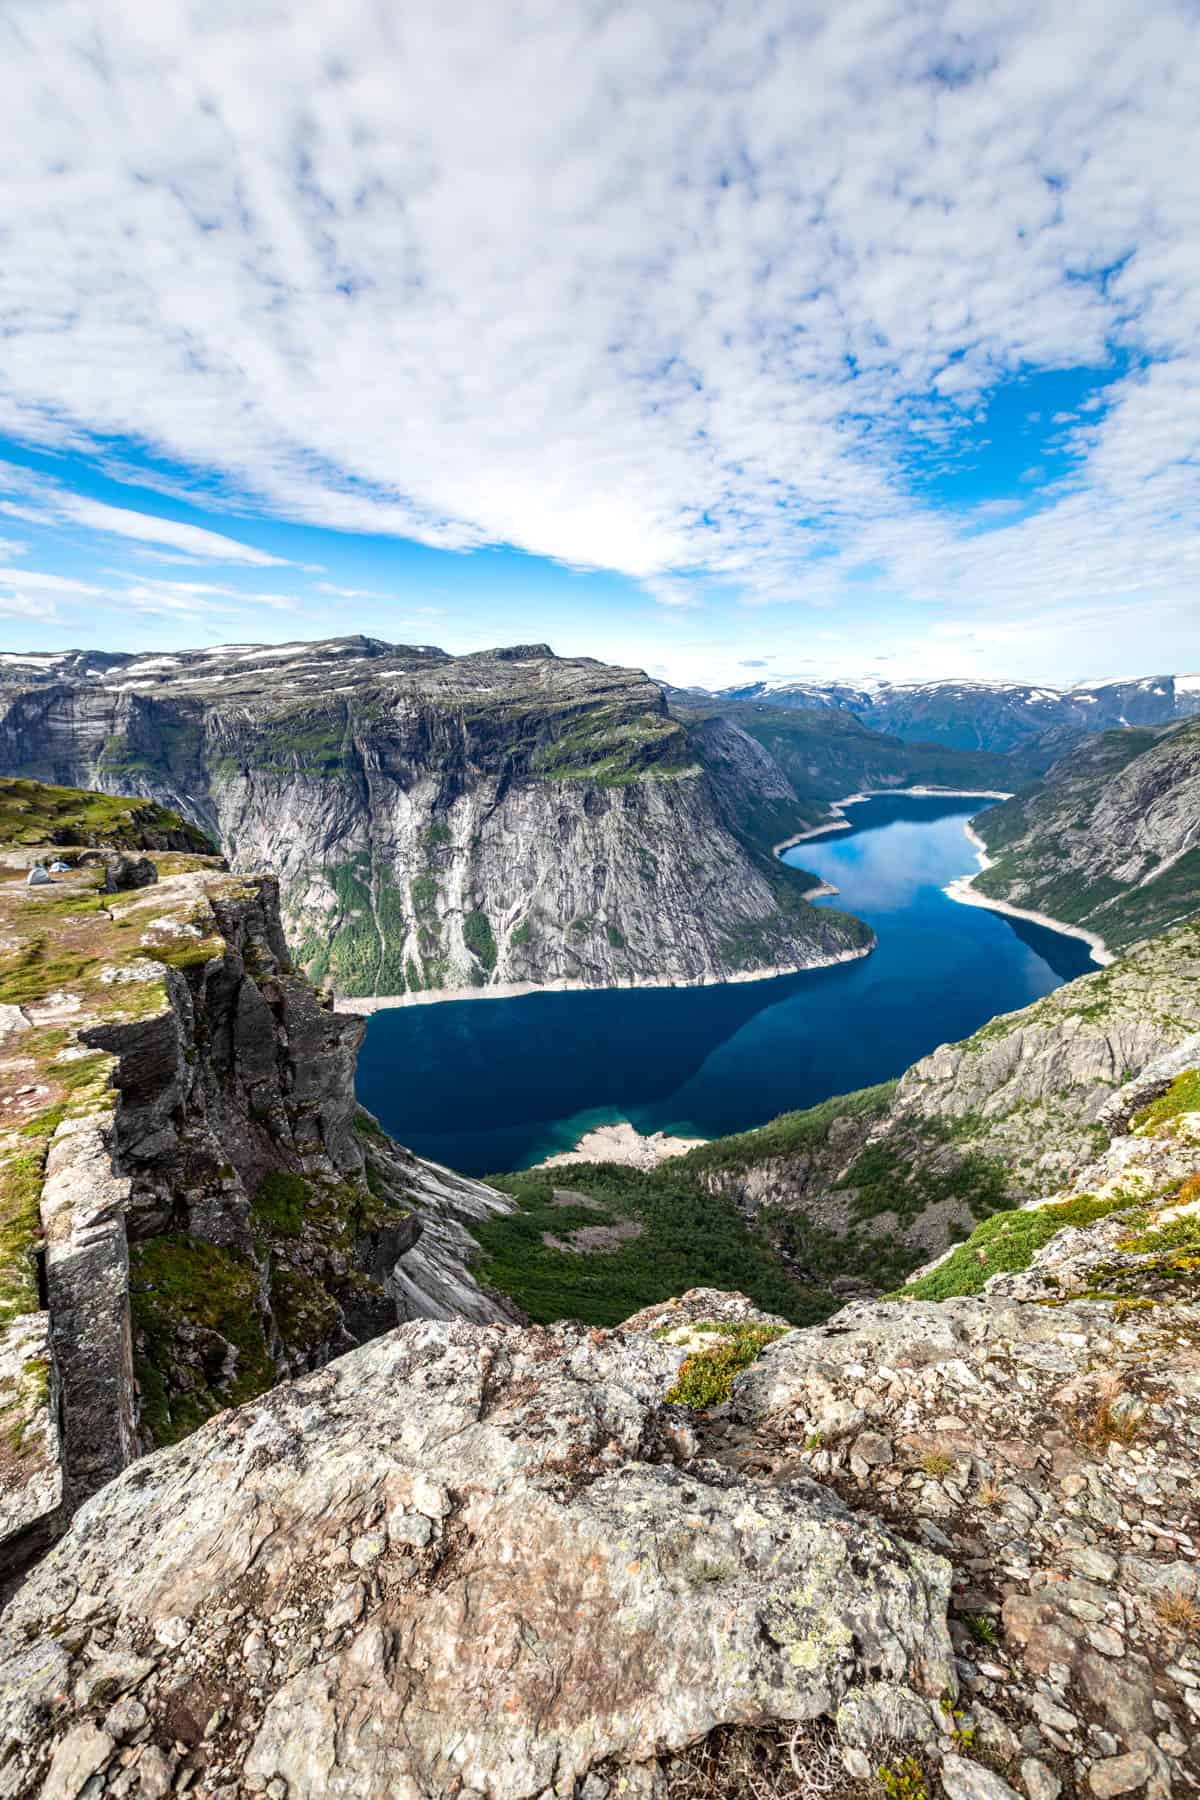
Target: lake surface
485,1085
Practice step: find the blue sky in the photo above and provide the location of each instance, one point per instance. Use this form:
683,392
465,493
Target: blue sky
854,341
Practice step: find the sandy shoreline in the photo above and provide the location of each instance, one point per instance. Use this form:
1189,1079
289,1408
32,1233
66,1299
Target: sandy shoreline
366,1004
961,889
622,1143
840,823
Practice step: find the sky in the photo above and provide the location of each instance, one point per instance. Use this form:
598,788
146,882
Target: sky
820,340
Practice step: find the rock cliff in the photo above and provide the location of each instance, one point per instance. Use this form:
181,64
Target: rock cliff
436,822
192,1206
1109,839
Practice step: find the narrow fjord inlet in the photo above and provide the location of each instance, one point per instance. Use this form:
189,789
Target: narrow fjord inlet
541,1070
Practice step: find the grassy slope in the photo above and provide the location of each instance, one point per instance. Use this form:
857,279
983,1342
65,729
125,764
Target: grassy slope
33,813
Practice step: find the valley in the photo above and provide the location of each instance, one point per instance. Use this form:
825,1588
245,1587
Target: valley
547,1067
273,1382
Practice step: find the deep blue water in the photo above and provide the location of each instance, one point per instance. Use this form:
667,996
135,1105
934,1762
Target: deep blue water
497,1084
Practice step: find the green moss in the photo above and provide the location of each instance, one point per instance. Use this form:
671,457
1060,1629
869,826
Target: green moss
616,938
477,935
523,934
179,1286
36,969
1006,1242
20,1229
190,953
281,1202
305,1313
706,1379
1183,1096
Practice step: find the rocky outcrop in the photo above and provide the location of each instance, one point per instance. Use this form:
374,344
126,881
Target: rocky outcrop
1109,840
459,1561
441,823
192,1204
947,1545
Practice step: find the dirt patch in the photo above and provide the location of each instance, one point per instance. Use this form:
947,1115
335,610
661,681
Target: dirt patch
590,1239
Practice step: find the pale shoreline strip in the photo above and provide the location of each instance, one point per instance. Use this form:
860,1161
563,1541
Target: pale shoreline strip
961,889
366,1004
839,823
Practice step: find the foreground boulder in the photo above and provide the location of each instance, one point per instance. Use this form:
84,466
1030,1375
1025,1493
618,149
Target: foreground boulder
460,1560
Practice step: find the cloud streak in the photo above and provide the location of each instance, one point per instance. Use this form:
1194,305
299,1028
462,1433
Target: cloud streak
677,291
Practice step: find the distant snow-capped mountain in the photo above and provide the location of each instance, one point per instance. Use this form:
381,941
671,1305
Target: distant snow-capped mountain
985,715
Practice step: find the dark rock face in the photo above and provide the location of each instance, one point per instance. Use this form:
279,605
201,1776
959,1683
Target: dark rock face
209,1209
122,872
440,822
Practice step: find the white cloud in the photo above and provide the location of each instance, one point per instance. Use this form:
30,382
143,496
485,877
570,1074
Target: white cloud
38,583
193,539
664,291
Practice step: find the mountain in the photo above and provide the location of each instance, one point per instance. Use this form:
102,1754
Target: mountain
1108,840
984,715
440,823
938,1542
192,1207
858,1191
824,755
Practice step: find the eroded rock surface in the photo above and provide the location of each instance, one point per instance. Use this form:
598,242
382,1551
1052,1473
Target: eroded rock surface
461,1560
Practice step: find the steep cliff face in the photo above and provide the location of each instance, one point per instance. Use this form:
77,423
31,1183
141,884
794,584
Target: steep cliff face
438,823
1108,840
191,1204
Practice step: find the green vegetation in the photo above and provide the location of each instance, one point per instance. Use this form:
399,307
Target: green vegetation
281,1201
190,953
523,934
689,1238
424,892
20,1229
477,935
1183,1096
32,812
37,968
1006,1242
305,1312
180,1286
791,1134
307,742
607,746
706,1378
884,1180
616,938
